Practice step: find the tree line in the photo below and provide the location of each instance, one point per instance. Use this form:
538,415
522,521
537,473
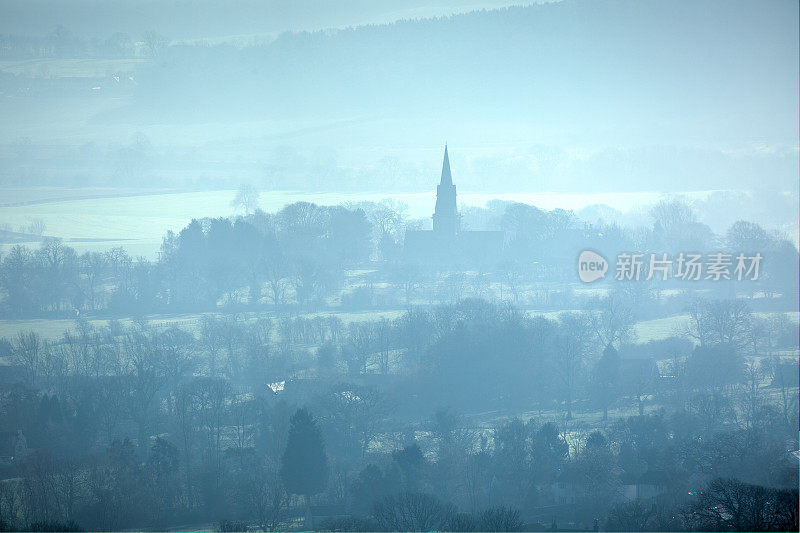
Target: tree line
300,258
132,423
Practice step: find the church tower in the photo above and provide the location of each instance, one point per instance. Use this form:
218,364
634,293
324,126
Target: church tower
446,220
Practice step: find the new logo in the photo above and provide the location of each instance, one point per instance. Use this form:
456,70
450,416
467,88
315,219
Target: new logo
591,266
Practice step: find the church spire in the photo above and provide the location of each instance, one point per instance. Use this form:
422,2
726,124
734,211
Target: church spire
445,216
447,179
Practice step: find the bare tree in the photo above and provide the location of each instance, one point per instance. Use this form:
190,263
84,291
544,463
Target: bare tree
360,343
155,42
37,226
267,500
720,322
613,321
246,198
673,214
93,266
573,341
412,511
499,519
28,352
731,505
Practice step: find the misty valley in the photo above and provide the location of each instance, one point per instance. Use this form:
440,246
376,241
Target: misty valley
481,388
247,284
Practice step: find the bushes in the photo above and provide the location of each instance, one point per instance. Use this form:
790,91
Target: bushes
631,516
416,511
412,511
349,523
499,519
231,526
491,519
731,505
462,522
53,525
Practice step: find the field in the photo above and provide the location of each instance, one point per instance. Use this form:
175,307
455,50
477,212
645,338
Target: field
71,68
136,222
661,328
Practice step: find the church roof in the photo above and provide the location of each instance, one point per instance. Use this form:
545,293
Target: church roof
447,179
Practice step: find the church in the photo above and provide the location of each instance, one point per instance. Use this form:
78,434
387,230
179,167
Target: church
447,244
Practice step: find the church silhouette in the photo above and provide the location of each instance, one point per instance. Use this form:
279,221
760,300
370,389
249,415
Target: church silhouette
447,244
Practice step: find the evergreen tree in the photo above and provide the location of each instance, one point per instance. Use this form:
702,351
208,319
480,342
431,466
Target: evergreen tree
304,465
606,379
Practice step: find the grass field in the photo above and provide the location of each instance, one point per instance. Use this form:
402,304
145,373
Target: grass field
71,68
136,222
19,196
661,328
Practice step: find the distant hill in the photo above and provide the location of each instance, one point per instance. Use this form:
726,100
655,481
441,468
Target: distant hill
571,96
625,68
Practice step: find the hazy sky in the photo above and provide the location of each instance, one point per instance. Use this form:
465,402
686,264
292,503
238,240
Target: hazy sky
577,96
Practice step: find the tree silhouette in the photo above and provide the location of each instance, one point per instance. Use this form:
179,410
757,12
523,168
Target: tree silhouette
247,198
304,465
606,379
